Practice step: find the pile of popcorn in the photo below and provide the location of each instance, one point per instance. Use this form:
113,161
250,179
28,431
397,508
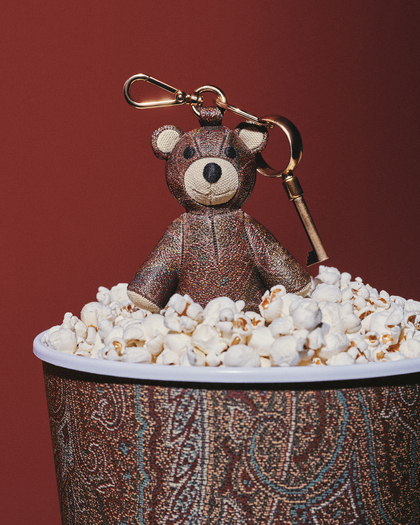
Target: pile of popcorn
340,322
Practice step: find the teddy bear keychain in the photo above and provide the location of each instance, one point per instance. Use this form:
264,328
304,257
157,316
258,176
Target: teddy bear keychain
215,249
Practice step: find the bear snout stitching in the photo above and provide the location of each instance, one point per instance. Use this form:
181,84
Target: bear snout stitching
211,181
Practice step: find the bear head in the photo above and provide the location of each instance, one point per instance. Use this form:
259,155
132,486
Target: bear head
211,166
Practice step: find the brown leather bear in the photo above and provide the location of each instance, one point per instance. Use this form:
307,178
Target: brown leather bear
214,249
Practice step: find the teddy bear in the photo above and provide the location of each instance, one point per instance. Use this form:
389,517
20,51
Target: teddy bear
215,249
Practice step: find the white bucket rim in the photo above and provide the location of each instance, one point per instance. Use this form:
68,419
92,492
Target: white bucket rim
223,375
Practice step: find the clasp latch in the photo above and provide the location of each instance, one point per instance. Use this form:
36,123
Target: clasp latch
179,96
194,99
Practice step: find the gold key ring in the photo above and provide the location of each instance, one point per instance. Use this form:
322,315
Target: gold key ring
295,143
207,89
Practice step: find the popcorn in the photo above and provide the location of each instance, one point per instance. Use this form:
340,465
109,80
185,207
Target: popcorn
359,349
133,335
207,339
272,310
241,356
281,326
394,356
382,301
137,354
316,339
347,295
81,330
387,324
118,293
192,357
264,362
288,299
261,340
177,343
93,313
331,316
327,292
178,304
155,344
336,342
411,320
105,326
359,303
256,319
271,304
103,296
62,339
305,314
316,361
212,309
341,359
372,339
340,322
154,325
344,280
285,351
410,348
329,275
167,357
412,305
352,323
213,359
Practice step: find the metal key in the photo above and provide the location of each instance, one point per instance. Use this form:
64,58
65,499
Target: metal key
292,185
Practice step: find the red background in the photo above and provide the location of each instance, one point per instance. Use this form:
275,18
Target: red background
84,198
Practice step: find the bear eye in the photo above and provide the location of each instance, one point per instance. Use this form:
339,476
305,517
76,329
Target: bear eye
189,152
230,152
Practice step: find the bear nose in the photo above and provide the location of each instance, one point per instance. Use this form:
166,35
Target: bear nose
212,172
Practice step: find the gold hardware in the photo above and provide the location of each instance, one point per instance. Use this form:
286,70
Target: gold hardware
290,182
179,96
206,89
295,194
295,143
241,113
292,186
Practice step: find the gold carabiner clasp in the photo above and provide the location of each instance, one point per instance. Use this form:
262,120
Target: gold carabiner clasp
179,96
194,99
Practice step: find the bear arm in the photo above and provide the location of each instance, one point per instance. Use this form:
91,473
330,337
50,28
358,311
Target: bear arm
274,263
157,278
305,290
142,302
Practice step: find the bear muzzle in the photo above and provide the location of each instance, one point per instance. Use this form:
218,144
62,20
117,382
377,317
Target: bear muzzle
211,181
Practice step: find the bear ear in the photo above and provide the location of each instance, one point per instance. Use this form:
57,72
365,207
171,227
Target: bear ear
164,140
255,137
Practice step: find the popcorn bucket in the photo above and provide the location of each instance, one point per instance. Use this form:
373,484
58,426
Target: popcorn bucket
150,444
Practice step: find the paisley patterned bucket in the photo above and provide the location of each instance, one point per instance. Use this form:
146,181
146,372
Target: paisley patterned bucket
153,451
